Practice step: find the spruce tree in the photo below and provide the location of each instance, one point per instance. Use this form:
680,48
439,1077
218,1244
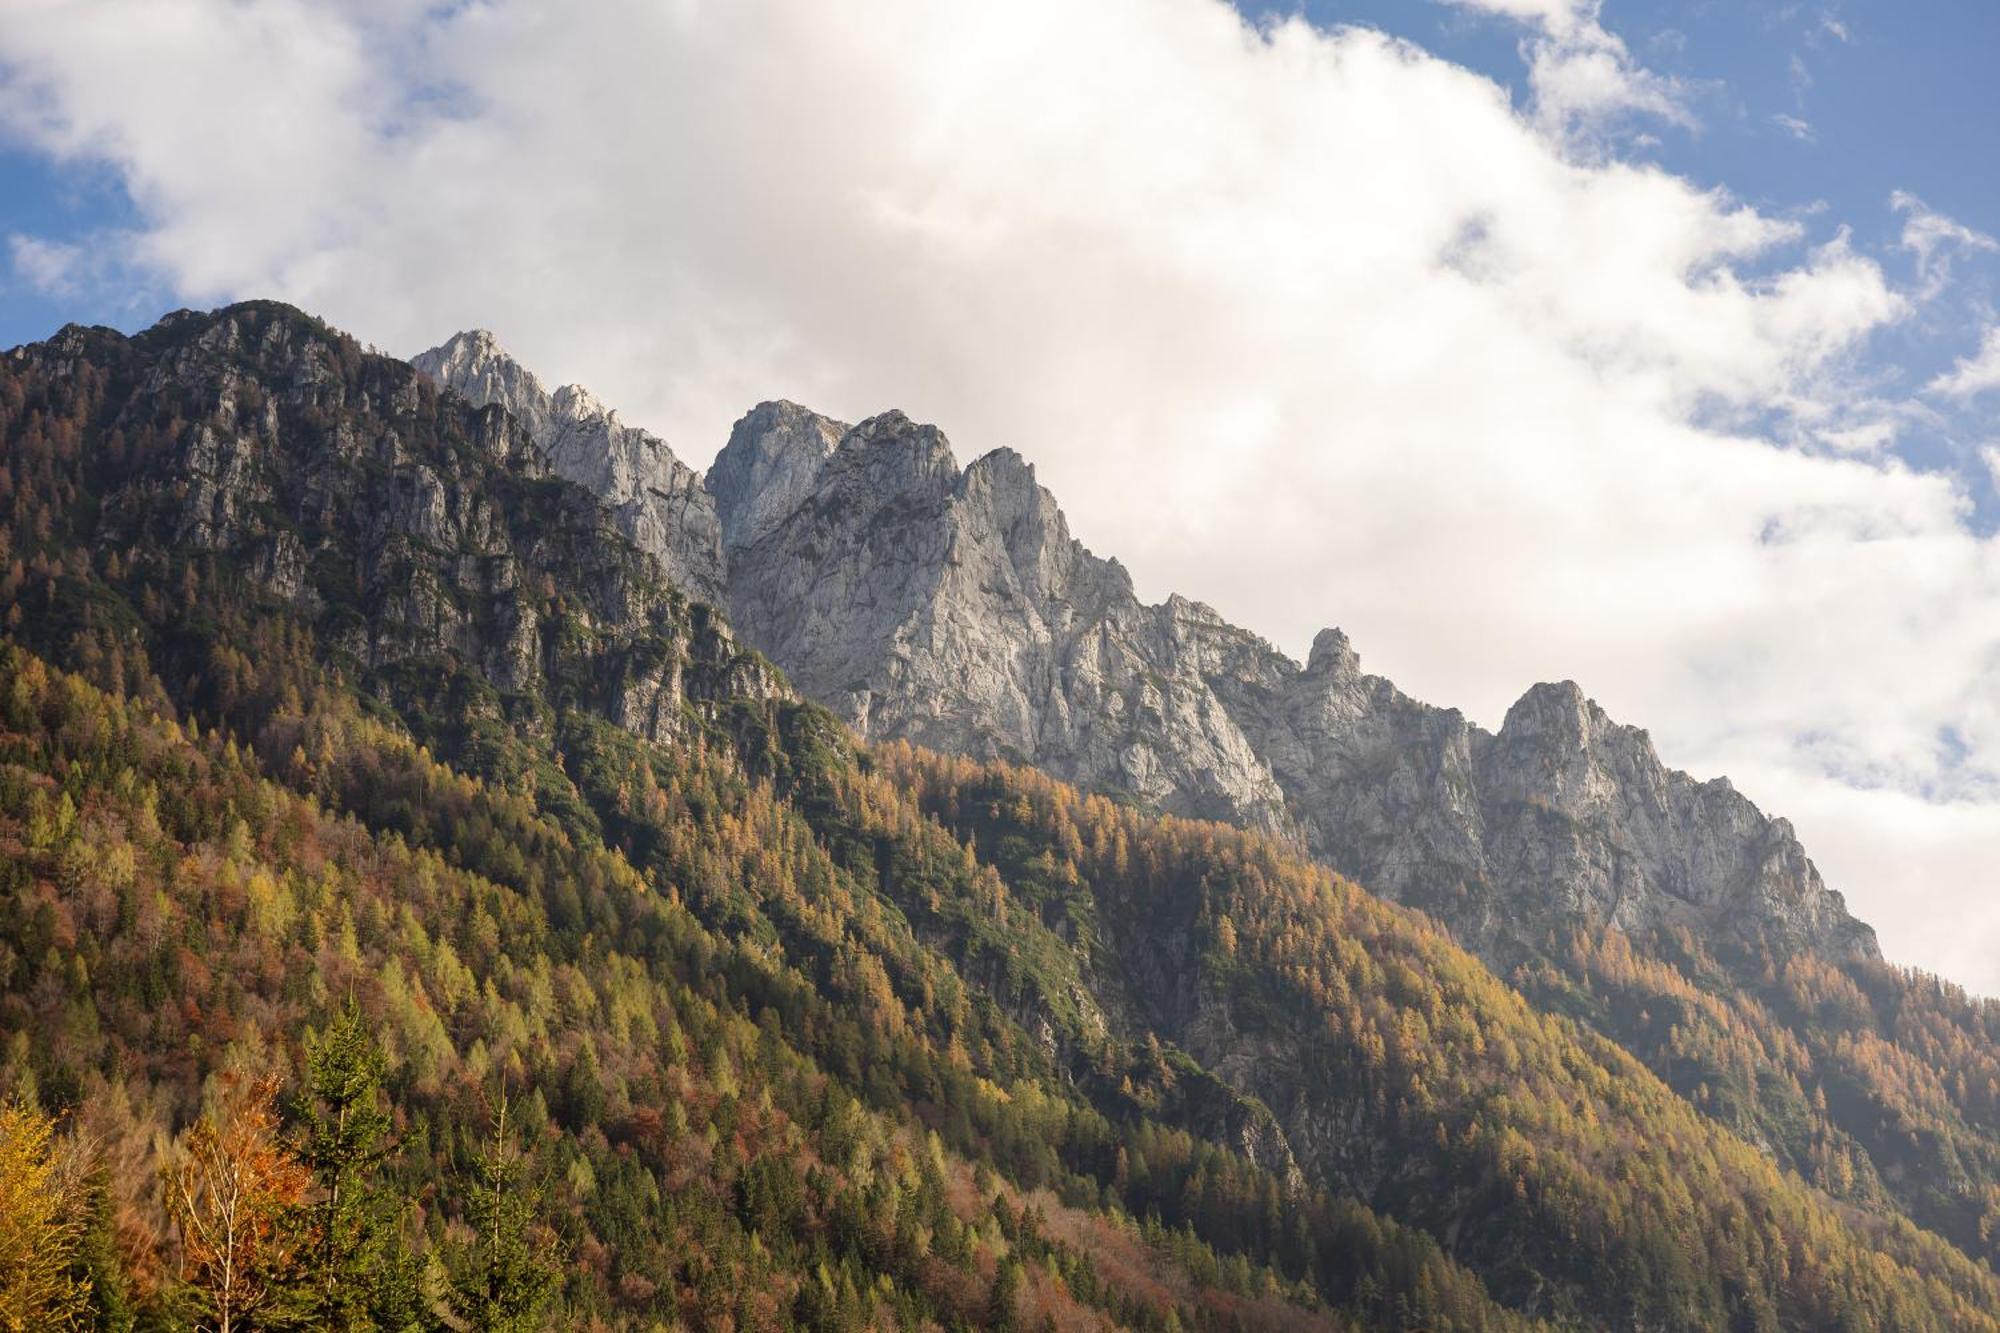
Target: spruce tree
506,1280
1003,1301
360,1276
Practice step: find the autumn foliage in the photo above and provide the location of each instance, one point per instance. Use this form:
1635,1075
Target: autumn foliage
296,895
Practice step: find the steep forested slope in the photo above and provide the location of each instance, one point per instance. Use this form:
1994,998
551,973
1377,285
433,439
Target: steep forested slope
327,711
952,608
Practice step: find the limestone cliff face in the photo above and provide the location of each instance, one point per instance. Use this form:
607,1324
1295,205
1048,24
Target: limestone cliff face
769,468
657,500
951,607
417,535
1561,817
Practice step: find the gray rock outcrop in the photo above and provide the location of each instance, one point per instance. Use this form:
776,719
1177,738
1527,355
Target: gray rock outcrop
657,500
951,607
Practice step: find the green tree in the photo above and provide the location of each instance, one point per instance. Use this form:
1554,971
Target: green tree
97,1265
359,1274
507,1277
1003,1302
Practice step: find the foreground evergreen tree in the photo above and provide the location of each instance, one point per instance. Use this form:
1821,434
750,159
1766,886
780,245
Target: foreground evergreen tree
358,1274
507,1277
97,1264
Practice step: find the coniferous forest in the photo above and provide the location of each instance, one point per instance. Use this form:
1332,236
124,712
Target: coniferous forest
415,913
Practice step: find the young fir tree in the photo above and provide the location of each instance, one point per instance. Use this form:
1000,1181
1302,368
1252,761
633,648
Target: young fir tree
359,1275
504,1281
1004,1300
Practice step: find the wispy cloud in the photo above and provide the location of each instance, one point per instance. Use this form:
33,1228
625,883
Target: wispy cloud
1795,126
1799,76
1583,77
1830,26
1936,239
50,267
1973,375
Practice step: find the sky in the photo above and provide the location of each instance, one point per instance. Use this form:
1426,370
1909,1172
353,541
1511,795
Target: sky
1648,345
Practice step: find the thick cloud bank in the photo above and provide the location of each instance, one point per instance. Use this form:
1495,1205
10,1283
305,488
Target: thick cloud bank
1308,324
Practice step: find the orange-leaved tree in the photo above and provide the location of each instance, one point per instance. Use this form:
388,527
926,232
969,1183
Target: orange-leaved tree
235,1194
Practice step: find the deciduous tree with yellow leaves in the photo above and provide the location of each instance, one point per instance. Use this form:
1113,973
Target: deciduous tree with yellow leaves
40,1224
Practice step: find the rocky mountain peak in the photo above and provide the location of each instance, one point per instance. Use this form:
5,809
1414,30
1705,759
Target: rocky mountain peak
1332,655
1558,746
1005,471
1558,708
895,455
768,467
658,501
472,343
580,404
475,366
1557,720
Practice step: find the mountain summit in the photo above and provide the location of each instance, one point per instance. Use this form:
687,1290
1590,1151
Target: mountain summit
658,500
952,608
360,770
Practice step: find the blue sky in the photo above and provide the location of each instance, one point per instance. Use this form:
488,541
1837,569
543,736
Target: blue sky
1818,111
1896,97
45,199
1559,341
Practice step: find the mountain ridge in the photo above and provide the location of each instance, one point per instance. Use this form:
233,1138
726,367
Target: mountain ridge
951,607
346,687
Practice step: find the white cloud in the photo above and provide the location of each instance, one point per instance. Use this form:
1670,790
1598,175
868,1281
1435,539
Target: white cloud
1381,350
1935,240
1798,128
1972,375
1830,25
47,266
1582,76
